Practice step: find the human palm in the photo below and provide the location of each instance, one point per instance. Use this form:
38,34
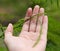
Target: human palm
29,34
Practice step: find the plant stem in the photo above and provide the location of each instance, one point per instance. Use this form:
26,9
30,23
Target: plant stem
38,39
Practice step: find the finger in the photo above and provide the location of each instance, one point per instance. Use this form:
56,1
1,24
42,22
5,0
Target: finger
43,39
9,30
41,11
28,15
34,20
29,12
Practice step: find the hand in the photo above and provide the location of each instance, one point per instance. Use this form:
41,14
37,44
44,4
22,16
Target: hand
29,34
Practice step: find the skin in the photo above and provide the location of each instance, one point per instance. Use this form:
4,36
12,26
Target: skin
26,39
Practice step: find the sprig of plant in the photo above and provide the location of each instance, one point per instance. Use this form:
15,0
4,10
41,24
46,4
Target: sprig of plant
41,23
38,39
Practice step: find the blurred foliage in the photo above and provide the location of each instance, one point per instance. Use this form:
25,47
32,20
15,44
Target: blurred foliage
44,3
18,7
12,10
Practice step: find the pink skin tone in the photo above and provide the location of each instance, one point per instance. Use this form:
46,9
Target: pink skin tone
26,40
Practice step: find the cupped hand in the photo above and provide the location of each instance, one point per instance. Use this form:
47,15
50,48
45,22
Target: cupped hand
30,33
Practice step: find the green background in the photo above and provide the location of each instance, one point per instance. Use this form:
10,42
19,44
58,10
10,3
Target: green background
13,10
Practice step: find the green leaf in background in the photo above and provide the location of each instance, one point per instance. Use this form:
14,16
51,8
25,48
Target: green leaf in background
58,3
51,1
1,32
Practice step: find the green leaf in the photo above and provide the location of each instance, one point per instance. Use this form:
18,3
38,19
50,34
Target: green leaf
58,3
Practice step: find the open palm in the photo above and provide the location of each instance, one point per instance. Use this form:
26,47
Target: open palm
29,34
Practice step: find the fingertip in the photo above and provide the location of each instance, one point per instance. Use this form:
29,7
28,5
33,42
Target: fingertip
9,28
10,25
36,9
29,8
41,10
37,6
29,12
46,16
46,19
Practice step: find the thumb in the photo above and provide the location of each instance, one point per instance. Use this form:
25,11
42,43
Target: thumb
9,30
